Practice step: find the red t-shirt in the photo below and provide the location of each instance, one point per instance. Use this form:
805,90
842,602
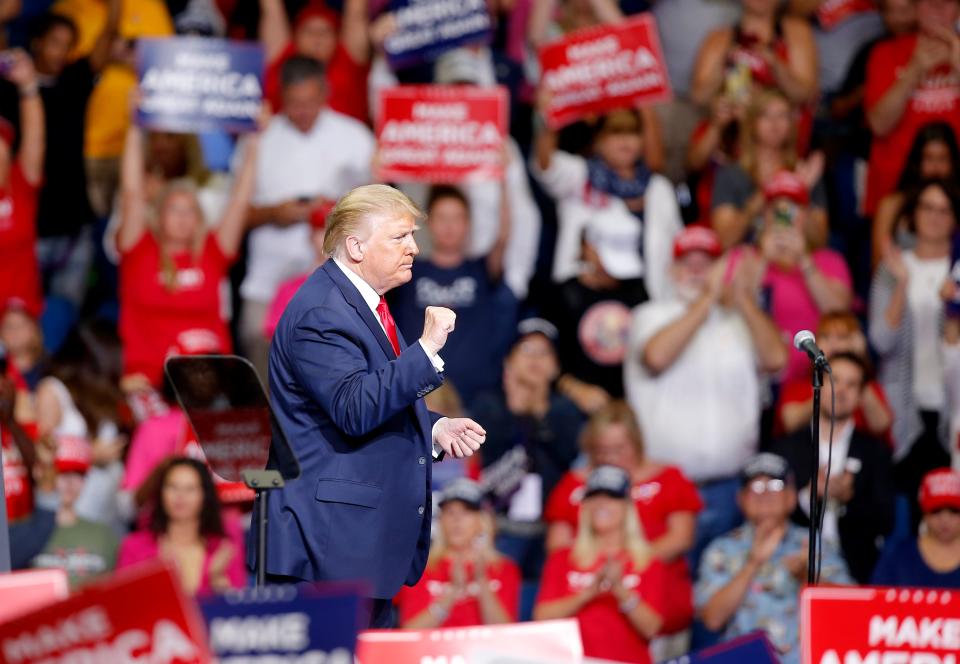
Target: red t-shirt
605,631
936,98
503,578
152,316
656,499
19,270
800,390
16,480
346,83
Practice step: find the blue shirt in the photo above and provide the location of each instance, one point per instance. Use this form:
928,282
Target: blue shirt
901,564
486,320
772,600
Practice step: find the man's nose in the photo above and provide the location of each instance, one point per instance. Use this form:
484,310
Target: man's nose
414,249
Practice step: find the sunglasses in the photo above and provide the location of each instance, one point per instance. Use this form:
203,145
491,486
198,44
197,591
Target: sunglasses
760,487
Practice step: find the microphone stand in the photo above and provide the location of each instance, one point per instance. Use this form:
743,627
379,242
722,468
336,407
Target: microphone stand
815,466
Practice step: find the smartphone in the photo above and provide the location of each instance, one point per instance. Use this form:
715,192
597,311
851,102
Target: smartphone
784,214
4,362
738,83
304,199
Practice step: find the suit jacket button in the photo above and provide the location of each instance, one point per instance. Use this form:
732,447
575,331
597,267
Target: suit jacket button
420,510
422,460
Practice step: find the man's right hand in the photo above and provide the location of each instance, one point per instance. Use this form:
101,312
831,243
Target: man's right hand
438,322
766,539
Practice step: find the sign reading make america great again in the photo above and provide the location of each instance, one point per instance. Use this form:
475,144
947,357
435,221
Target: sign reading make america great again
425,29
879,626
196,84
597,70
441,133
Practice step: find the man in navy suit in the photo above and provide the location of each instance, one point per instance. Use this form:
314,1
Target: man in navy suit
348,393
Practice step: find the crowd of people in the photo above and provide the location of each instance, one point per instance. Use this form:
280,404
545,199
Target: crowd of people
626,296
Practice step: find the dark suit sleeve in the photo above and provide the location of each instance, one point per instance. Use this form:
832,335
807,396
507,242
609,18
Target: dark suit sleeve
332,368
872,506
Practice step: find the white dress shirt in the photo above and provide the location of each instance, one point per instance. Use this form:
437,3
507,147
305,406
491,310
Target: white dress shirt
372,298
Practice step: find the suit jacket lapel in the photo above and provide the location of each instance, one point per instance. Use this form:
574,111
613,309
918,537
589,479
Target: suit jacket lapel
353,297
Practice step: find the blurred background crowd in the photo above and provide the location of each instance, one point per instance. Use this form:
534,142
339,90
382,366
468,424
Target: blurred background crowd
626,296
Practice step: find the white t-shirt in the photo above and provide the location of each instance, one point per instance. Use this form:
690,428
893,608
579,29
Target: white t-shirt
703,413
566,181
926,277
329,160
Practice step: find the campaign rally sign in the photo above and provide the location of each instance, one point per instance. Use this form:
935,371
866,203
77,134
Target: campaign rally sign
554,641
832,13
596,70
139,615
196,84
284,623
425,29
28,590
754,647
441,133
879,626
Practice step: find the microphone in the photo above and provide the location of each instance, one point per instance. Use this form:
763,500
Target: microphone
806,342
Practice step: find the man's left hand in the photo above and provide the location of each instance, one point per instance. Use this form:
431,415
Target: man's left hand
459,436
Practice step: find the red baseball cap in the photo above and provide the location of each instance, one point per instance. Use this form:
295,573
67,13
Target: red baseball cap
786,184
19,304
940,488
74,454
197,341
696,238
316,10
319,214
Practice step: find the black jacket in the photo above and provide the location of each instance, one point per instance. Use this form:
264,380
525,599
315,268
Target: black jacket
868,517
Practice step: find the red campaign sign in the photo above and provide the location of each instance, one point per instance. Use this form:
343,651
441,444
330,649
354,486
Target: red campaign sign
140,615
879,626
441,133
28,590
597,70
554,641
832,13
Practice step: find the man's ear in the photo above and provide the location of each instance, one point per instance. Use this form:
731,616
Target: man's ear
355,248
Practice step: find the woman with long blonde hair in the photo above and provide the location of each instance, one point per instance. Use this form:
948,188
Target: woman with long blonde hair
768,145
466,581
666,503
172,268
609,579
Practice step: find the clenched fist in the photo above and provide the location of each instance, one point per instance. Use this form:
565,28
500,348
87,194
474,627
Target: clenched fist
438,322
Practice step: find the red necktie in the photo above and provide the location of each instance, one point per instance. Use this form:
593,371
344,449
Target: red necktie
389,326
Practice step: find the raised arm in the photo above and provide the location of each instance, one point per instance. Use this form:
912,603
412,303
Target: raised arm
233,222
884,115
274,28
354,34
540,17
32,140
797,77
100,54
133,219
495,257
708,70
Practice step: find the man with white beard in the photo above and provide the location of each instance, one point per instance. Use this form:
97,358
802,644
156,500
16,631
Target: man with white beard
692,374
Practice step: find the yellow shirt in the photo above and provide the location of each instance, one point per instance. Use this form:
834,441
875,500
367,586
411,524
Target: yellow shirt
108,112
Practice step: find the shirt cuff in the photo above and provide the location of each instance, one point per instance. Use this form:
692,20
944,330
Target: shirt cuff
435,358
437,450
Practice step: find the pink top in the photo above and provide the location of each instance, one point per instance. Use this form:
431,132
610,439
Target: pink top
285,293
155,440
790,303
142,546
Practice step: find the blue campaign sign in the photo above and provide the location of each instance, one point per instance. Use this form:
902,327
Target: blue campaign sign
428,28
753,647
278,624
196,84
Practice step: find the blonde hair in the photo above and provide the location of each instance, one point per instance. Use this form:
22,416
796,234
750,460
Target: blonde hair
358,206
168,269
585,550
438,547
614,413
748,127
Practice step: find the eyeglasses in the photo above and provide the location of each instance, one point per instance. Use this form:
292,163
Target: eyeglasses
760,487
